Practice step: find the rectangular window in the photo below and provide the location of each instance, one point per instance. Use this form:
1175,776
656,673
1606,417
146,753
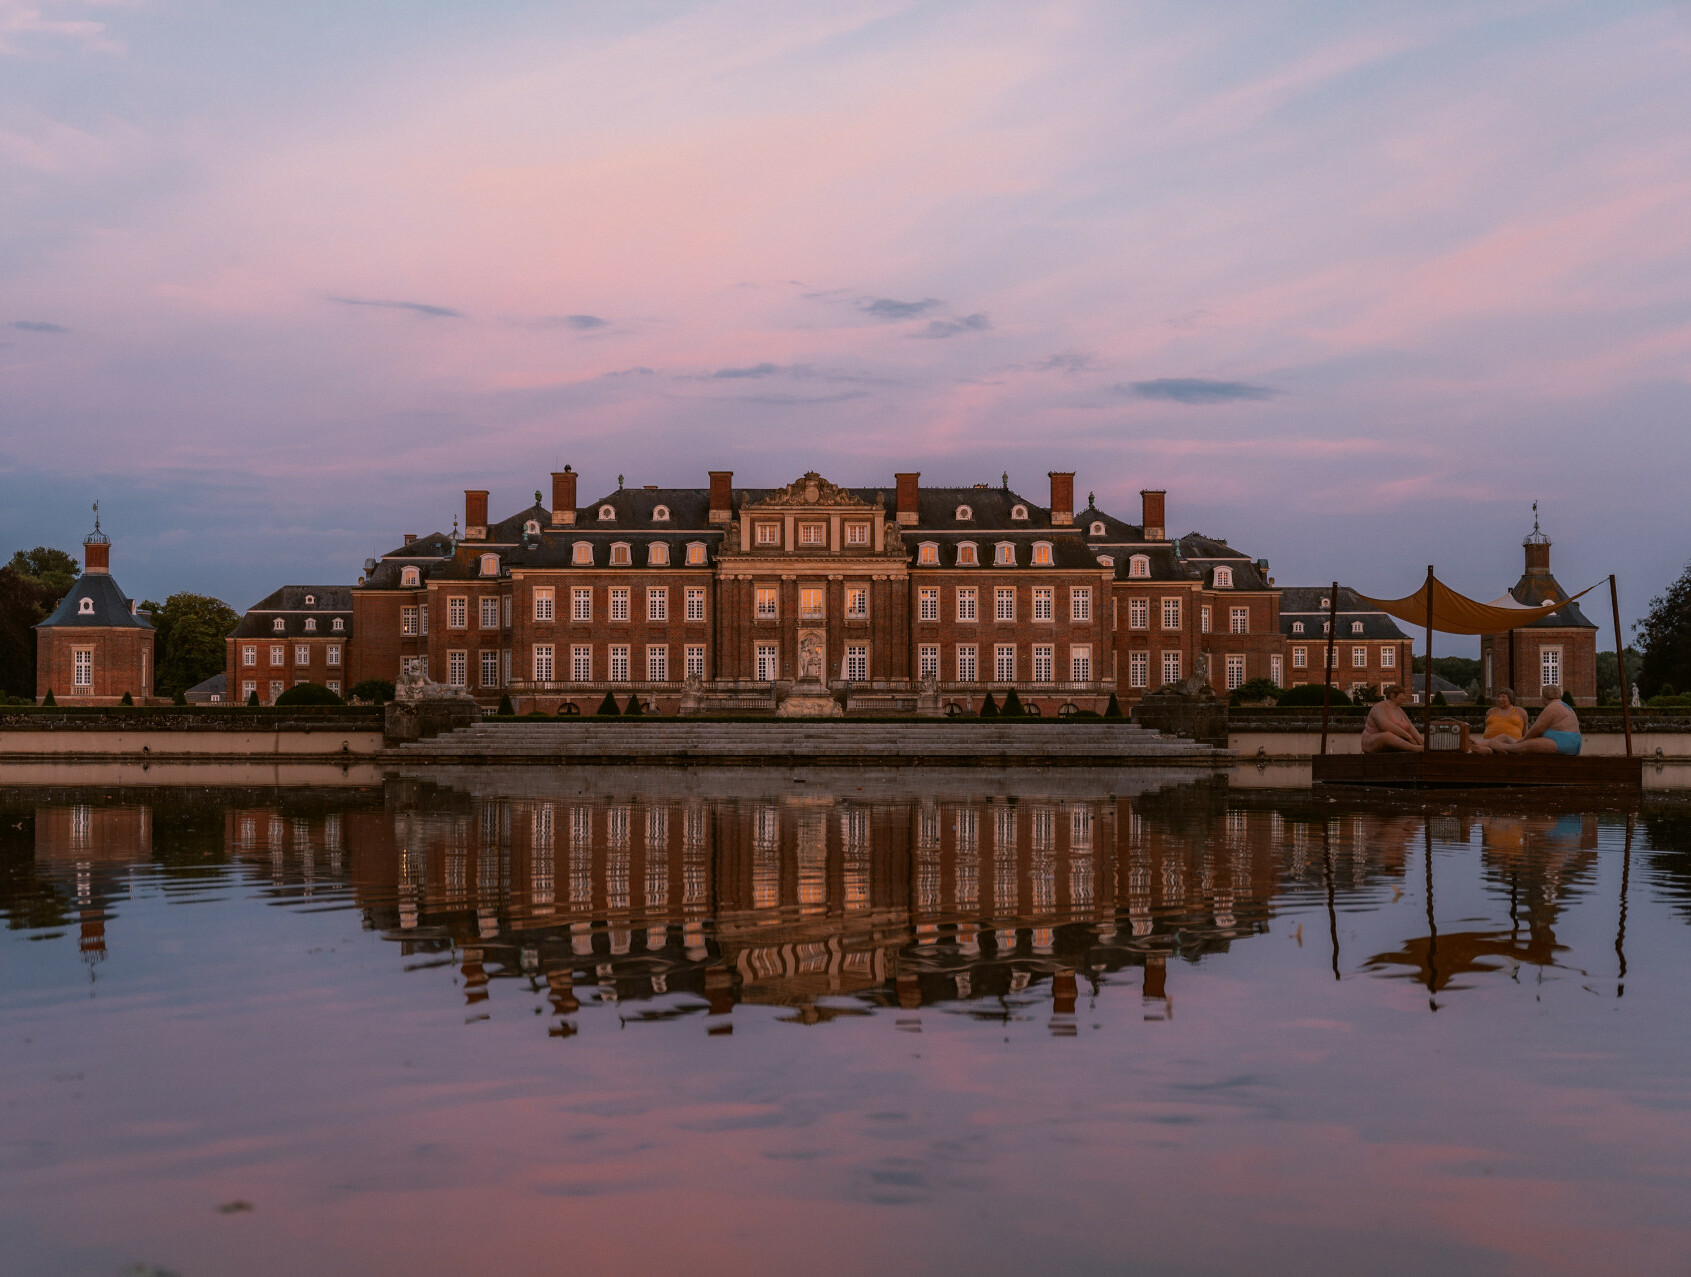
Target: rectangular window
581,603
1171,667
542,662
332,654
657,663
490,613
1004,603
1080,663
857,534
423,619
927,660
619,603
695,605
1388,658
247,690
1359,658
657,603
766,596
543,603
1043,662
276,688
334,685
966,663
490,668
457,612
813,534
1138,669
810,601
581,663
768,663
1235,670
1276,674
1333,656
1204,619
505,613
82,672
1300,658
1139,614
857,602
695,660
1239,620
619,662
278,654
1004,663
302,654
505,666
857,663
768,533
1042,609
966,603
249,654
927,605
1171,614
1550,666
1080,603
457,666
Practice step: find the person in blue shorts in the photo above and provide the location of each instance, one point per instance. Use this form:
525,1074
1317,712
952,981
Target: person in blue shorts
1554,731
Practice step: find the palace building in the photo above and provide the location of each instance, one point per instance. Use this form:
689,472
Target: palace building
1369,649
1559,650
717,598
96,647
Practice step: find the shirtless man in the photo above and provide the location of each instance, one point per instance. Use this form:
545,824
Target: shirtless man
1388,727
1554,731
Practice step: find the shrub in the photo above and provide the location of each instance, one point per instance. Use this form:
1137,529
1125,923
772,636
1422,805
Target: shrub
308,694
181,698
1438,699
376,690
1310,694
48,699
252,699
127,699
1568,698
1681,700
1113,709
537,713
506,709
989,707
608,707
1013,707
1256,689
634,709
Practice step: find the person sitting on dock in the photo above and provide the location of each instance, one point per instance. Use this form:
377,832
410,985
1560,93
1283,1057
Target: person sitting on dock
1388,727
1554,731
1504,721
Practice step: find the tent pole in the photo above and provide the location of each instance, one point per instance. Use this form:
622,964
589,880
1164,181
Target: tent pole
1327,674
1428,690
1620,661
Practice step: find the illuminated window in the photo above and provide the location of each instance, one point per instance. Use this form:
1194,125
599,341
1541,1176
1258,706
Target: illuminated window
657,555
927,554
765,597
1224,578
581,554
810,601
966,556
490,565
813,534
695,553
410,577
1139,565
1042,554
543,600
857,602
1004,554
857,534
768,533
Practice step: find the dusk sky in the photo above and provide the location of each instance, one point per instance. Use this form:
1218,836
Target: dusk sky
1356,282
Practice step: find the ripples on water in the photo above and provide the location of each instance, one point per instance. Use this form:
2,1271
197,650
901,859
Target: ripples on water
428,1030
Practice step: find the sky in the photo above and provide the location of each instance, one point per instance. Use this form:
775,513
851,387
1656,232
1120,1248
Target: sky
1355,282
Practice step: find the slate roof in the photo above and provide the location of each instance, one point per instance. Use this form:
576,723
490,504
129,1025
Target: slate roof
1303,603
110,606
1067,550
201,693
288,604
1534,591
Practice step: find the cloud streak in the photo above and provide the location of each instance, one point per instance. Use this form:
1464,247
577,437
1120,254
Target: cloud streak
416,308
1196,390
38,326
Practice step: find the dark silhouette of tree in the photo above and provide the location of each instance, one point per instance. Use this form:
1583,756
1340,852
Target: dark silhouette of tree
189,648
1664,638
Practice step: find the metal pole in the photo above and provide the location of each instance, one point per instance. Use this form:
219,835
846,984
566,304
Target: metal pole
1620,661
1327,670
1428,717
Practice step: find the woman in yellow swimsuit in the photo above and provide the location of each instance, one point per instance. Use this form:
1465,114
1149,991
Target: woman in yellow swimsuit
1505,718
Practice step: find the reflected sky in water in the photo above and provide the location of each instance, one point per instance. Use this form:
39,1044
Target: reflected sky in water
765,1026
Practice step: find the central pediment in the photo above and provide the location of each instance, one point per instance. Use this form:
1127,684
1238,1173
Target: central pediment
812,490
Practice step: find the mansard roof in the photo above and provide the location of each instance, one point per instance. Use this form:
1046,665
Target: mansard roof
989,509
290,606
1066,551
110,606
1534,589
1303,603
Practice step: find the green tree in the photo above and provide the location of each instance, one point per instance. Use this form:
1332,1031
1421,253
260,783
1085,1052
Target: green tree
1665,639
376,691
308,694
608,707
189,648
989,707
54,570
31,585
1113,709
1013,705
1609,684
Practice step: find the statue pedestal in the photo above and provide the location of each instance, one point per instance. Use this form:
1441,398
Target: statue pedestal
809,699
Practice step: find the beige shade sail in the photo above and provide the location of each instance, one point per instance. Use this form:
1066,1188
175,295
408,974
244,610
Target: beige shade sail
1455,613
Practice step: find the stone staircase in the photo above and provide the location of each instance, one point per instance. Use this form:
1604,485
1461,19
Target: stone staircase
797,742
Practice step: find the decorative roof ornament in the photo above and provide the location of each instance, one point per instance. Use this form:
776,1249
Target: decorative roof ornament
96,537
1535,537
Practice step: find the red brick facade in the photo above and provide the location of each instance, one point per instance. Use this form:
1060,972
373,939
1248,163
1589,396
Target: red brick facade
1559,650
94,649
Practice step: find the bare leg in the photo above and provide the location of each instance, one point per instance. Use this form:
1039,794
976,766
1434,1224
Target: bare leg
1537,745
1385,742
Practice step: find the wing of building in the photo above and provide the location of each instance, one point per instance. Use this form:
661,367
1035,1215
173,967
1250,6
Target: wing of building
1368,649
96,647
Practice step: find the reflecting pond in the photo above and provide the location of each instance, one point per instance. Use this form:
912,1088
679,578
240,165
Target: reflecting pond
835,1022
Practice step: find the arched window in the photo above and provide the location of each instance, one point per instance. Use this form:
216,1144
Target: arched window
310,599
1042,554
1108,560
1139,565
311,625
657,555
607,514
1019,513
86,607
1004,554
278,625
927,554
490,565
964,514
410,577
660,514
1097,527
581,554
695,553
620,556
1356,627
1297,627
1326,602
1224,578
966,556
531,528
337,624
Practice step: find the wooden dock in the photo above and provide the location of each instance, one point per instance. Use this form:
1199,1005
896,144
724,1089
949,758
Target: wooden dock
1605,776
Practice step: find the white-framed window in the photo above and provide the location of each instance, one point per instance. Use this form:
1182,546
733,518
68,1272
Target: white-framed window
660,514
457,668
927,660
1139,566
581,603
622,554
1204,614
927,554
543,602
278,654
857,602
695,660
1171,614
1550,666
1326,603
813,534
311,625
657,555
337,625
1043,662
964,514
531,527
490,565
966,666
505,614
695,601
410,578
768,662
1224,578
278,624
765,602
1080,602
619,602
457,612
927,605
657,663
334,685
489,612
1171,667
505,667
619,662
1297,627
247,689
581,554
695,554
857,534
967,555
1235,670
1097,529
966,609
1107,560
1276,671
1042,602
1004,663
1080,663
767,532
1138,668
277,687
489,668
542,662
1356,627
332,654
1004,603
1333,657
249,654
857,663
657,603
1388,658
607,514
423,618
1042,554
1004,554
1019,513
1238,620
1300,658
810,600
1359,658
1139,614
581,663
82,667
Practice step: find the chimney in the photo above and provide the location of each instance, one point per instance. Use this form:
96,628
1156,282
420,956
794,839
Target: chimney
410,537
475,514
721,496
1156,526
97,548
563,497
1537,546
909,506
1062,498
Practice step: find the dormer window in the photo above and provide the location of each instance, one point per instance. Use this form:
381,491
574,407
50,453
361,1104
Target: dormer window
1297,627
490,565
695,554
581,554
660,514
1224,578
620,556
1139,566
337,625
964,514
278,625
607,514
310,600
311,625
1004,555
1097,527
1019,513
85,608
927,554
1326,602
657,555
1356,627
966,556
410,577
1042,554
1108,560
531,528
